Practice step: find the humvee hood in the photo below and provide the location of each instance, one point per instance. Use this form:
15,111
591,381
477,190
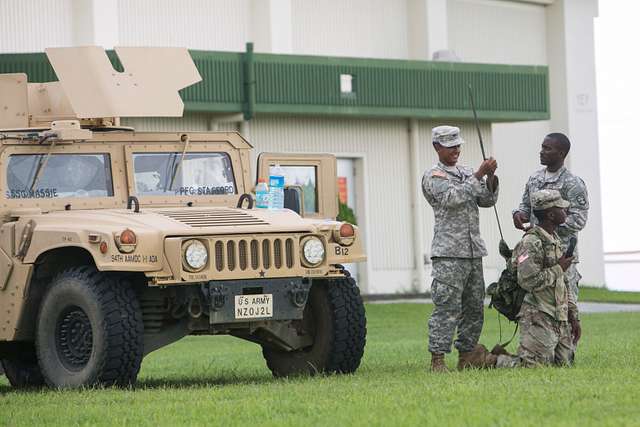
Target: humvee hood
185,220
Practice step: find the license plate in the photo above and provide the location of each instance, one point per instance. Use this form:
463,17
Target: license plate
254,306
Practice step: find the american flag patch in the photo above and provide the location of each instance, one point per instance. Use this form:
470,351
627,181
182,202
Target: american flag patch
522,258
439,174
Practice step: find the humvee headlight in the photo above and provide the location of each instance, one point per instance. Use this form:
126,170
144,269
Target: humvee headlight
312,251
195,255
345,234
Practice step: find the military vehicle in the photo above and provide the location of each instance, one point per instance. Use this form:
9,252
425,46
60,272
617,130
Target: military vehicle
114,243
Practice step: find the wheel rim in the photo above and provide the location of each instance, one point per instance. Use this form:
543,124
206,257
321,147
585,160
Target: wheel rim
74,338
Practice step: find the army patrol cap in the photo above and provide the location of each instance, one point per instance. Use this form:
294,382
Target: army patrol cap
545,199
447,136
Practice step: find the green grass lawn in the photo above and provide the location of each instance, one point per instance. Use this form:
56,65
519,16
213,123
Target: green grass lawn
224,381
605,295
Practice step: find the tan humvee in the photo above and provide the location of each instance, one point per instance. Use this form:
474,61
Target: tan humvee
114,243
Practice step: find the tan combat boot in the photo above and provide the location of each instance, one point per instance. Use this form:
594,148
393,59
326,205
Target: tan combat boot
498,350
465,360
479,358
437,363
489,360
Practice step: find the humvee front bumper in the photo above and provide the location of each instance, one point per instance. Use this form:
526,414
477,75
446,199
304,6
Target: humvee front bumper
232,301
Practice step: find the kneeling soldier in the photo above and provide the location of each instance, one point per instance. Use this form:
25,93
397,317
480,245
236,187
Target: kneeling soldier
547,316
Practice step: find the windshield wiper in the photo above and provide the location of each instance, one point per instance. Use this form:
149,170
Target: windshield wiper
42,162
184,138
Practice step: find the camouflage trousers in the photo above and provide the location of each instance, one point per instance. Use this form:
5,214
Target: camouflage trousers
573,277
543,341
457,291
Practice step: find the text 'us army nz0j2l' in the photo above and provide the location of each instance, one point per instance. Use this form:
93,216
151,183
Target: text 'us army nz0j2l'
114,243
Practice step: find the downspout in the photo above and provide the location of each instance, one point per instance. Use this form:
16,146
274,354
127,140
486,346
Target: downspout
249,83
417,212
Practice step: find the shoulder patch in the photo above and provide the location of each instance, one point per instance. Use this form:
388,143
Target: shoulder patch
438,173
522,258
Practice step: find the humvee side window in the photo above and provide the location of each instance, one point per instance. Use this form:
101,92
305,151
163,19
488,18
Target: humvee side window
197,174
37,176
305,177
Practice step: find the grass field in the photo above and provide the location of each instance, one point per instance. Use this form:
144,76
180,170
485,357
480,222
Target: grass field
224,381
605,295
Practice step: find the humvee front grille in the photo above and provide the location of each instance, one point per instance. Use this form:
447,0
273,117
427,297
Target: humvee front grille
289,252
277,253
212,217
263,253
219,248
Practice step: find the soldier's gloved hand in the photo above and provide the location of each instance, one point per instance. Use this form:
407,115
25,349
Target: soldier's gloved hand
519,218
565,262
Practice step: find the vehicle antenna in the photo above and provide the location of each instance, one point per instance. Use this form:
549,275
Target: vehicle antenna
484,156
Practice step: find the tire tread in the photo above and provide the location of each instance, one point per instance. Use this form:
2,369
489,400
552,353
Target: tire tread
349,326
122,325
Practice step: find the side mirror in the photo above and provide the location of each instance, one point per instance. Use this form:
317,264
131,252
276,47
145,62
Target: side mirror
294,199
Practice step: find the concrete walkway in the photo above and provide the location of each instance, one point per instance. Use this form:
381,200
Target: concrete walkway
585,307
605,307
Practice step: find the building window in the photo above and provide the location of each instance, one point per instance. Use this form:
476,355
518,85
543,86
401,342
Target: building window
347,84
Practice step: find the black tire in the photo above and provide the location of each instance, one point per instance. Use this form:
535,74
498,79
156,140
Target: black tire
335,314
23,370
89,331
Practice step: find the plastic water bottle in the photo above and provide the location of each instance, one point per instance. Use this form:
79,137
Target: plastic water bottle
276,187
262,194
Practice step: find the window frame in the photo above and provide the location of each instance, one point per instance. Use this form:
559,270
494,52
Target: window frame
194,147
60,203
326,178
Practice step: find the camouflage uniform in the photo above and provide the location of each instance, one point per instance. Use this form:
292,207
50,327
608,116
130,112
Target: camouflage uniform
545,334
573,190
457,250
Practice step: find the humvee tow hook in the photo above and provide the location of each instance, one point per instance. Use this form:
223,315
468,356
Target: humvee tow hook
133,200
244,197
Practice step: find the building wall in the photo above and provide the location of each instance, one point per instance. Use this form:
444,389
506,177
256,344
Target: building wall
30,26
574,111
491,31
336,27
197,24
190,122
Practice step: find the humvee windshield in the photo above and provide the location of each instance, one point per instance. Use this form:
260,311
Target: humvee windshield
197,174
58,175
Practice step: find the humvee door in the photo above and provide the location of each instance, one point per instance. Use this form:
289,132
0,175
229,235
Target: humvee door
316,174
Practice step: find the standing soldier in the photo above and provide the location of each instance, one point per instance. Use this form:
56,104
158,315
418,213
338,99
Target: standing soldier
455,192
556,176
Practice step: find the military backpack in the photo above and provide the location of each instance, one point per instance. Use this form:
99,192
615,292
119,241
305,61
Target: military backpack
506,295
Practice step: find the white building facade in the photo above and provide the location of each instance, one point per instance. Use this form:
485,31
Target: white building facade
382,158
